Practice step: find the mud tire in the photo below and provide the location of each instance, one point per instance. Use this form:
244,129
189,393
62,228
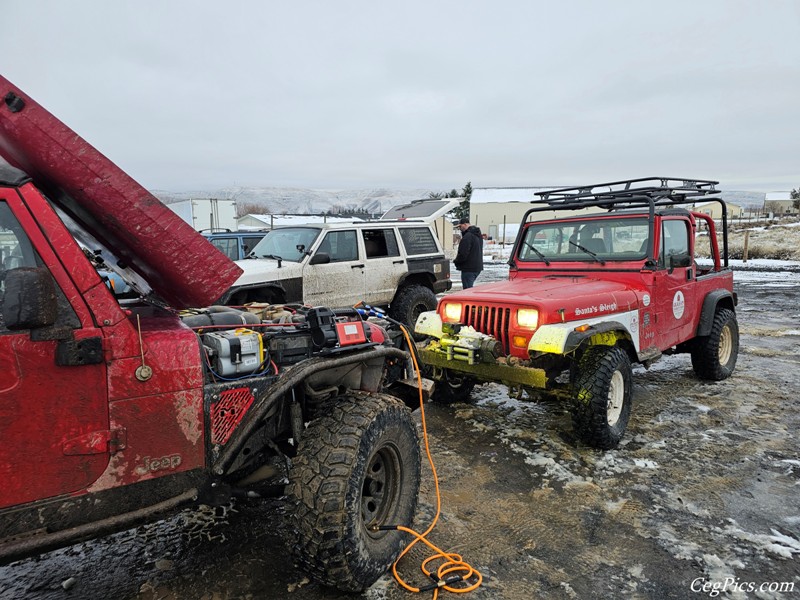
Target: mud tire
602,396
453,388
357,465
409,303
714,356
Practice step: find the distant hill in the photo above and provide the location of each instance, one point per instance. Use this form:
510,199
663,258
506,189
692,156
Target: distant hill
743,199
276,200
282,200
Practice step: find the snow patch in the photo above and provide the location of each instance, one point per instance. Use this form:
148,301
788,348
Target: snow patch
777,543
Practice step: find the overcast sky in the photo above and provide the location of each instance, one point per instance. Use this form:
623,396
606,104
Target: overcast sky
338,94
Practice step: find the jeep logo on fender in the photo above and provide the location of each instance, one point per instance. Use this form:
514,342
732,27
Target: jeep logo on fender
151,465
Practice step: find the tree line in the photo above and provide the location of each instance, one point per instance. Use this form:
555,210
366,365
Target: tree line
462,210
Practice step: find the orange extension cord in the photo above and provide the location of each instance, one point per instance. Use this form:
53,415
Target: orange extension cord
452,568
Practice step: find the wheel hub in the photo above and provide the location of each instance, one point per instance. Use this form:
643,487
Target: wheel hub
381,487
725,345
616,396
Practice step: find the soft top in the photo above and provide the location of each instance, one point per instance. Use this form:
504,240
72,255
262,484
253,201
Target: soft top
12,177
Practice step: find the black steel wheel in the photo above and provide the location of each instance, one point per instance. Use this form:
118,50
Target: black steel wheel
356,467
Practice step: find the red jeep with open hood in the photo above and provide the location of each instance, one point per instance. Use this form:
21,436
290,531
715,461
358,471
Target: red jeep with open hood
114,412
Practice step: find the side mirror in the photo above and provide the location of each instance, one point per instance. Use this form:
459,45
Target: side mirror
320,258
679,261
29,301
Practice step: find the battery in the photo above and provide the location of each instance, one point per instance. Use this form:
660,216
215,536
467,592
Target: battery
237,352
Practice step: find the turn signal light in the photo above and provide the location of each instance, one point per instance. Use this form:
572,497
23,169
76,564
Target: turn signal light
520,341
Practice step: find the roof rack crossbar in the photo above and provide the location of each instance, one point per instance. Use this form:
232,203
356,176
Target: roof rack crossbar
656,188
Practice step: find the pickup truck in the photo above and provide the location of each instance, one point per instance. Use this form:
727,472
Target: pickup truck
612,282
113,413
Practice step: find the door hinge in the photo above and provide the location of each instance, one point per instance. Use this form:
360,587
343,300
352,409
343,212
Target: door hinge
97,442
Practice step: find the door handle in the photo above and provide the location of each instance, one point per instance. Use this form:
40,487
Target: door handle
398,262
357,266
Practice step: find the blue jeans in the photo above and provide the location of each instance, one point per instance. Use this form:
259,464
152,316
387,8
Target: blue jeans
468,278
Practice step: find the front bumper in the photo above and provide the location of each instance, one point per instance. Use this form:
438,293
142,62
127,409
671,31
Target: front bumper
481,366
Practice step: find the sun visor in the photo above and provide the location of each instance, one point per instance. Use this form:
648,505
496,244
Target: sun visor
180,265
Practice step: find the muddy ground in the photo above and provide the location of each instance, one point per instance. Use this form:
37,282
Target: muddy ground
704,487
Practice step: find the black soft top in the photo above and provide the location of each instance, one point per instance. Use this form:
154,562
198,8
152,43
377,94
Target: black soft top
11,176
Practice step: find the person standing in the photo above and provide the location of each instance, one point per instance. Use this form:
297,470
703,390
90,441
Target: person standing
469,258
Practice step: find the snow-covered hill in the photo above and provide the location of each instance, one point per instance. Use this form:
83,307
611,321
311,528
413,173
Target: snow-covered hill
279,200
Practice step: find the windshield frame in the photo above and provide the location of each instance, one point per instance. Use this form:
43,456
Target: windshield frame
591,239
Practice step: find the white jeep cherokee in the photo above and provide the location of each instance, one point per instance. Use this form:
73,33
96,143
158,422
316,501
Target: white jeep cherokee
396,261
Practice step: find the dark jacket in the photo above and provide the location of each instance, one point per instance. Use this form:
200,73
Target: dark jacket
470,251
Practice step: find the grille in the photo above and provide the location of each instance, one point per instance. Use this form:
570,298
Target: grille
227,413
491,320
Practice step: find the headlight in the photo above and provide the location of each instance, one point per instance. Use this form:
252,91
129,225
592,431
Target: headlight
452,312
528,318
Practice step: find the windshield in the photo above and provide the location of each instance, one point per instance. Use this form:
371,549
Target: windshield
588,240
286,243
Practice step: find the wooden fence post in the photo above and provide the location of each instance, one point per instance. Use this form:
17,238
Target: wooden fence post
746,240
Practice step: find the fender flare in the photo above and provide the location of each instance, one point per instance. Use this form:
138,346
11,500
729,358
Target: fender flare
577,338
710,303
561,338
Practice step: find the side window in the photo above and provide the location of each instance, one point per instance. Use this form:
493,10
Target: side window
418,240
17,251
228,246
341,245
674,241
380,243
248,243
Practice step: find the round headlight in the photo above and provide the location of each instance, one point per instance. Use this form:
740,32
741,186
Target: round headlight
452,312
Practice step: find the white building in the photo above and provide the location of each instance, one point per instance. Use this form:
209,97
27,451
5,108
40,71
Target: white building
498,211
714,210
779,203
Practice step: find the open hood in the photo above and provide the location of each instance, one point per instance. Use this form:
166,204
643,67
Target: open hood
426,210
180,265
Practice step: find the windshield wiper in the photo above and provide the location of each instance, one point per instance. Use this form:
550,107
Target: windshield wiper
273,257
589,252
539,254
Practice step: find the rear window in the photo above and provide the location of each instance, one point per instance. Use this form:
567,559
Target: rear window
418,240
228,246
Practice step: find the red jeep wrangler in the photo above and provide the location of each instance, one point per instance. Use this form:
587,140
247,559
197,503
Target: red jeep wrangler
613,282
114,412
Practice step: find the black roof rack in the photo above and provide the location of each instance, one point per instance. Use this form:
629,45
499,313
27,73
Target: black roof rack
629,192
646,192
